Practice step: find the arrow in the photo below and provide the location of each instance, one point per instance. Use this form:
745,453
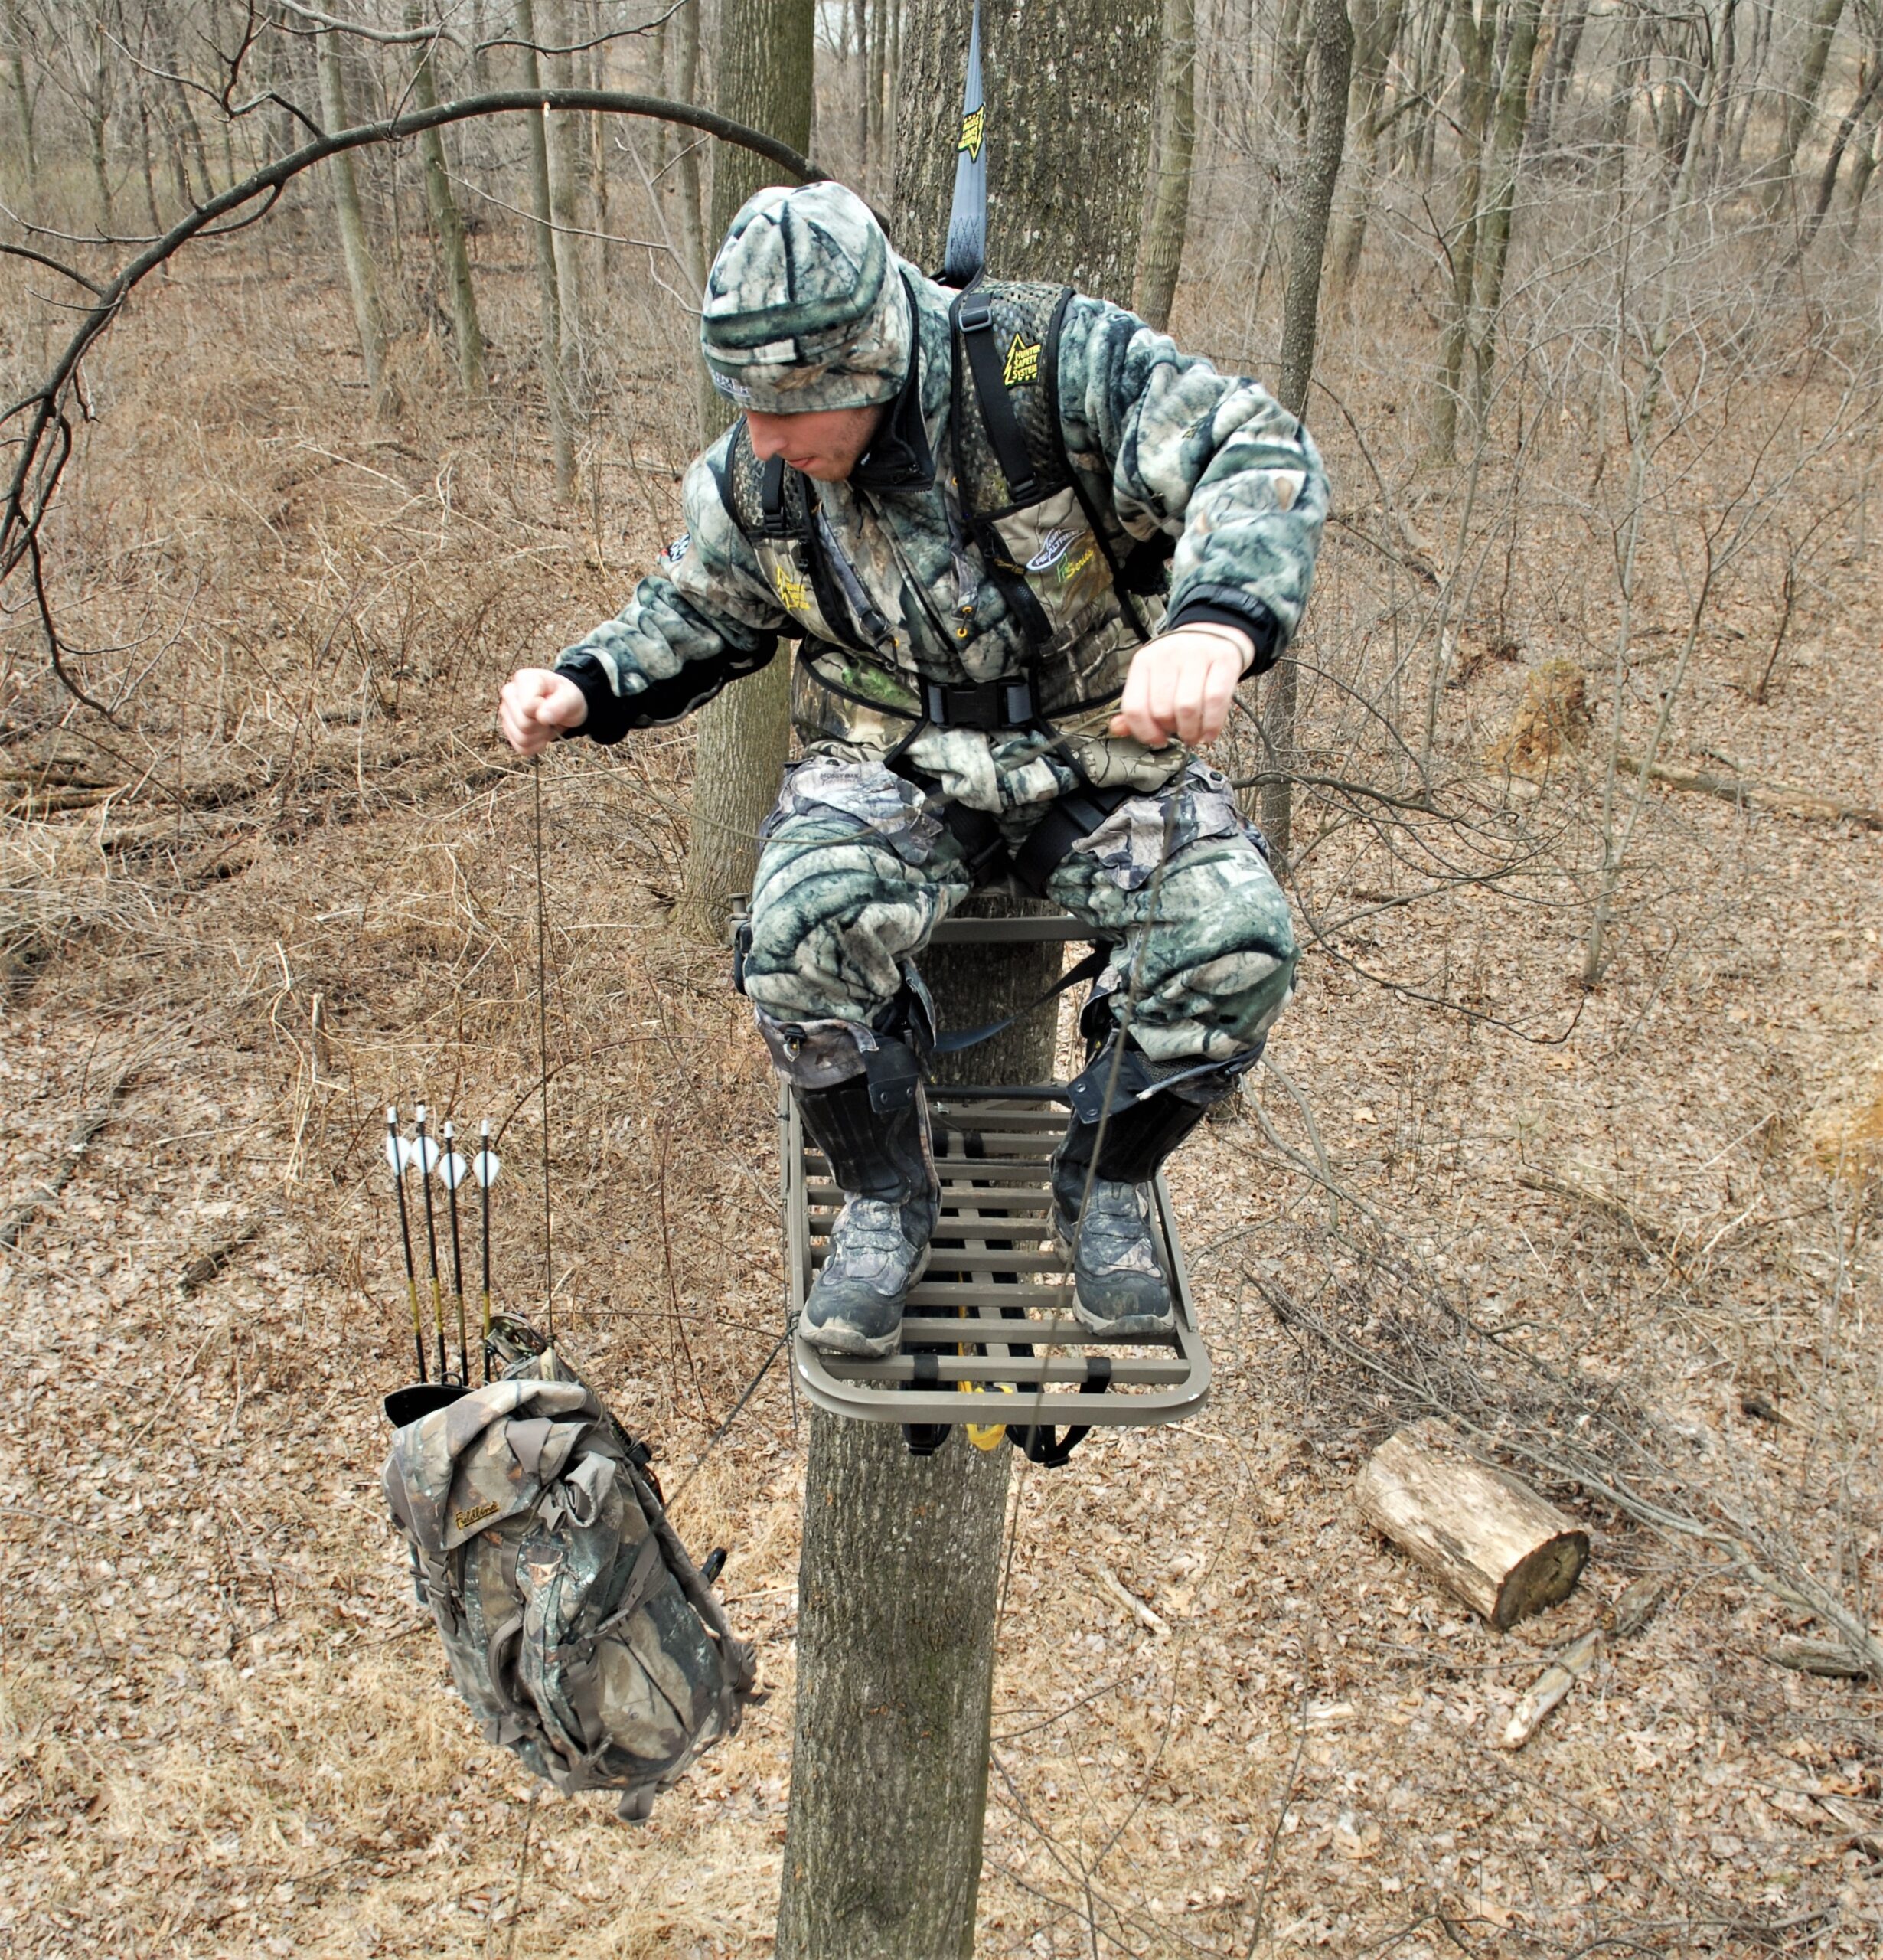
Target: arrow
395,1156
454,1170
425,1154
485,1167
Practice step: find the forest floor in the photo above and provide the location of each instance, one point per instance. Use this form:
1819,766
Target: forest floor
302,886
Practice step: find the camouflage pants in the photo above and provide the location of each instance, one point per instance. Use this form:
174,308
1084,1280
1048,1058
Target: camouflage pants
857,870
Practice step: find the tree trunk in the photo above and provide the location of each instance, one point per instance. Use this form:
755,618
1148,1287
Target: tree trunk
745,734
1801,99
1559,72
1160,254
1066,134
1475,41
548,289
467,330
361,281
1507,134
1301,316
97,118
22,95
899,1580
685,45
567,171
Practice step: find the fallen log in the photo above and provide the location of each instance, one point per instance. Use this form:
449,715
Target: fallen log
1483,1533
1788,797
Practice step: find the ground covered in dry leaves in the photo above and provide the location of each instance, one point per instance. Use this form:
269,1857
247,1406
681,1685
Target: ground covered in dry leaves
293,880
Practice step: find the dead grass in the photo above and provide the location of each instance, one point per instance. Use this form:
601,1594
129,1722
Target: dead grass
224,1730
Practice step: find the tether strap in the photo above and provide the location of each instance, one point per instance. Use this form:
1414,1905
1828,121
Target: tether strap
1038,1444
1067,821
1093,964
975,318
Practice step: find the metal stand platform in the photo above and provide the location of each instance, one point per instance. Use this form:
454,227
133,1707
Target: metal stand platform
989,1339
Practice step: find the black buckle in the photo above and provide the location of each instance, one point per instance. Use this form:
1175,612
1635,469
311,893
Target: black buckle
985,704
972,312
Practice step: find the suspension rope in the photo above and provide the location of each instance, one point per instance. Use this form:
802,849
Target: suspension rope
541,1044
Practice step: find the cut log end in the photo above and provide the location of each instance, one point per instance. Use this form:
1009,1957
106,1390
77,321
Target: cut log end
1541,1578
1483,1533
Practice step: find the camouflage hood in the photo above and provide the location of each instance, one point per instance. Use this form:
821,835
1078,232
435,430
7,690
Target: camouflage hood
805,306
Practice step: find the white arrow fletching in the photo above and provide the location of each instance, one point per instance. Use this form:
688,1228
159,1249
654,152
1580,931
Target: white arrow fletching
395,1152
485,1166
423,1152
454,1170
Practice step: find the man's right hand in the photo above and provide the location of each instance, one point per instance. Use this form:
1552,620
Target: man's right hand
536,706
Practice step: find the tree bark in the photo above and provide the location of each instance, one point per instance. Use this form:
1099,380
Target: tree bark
467,330
898,1583
1160,253
548,285
1300,317
744,735
1066,134
362,281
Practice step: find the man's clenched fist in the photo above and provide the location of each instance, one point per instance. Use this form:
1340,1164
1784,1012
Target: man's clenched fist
536,706
1181,683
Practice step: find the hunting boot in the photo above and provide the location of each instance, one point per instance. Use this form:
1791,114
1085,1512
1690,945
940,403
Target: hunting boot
1102,1175
878,1246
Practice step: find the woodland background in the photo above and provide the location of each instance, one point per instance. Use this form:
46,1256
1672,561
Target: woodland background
1574,1135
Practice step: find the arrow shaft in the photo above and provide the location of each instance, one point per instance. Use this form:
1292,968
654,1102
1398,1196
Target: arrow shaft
405,1239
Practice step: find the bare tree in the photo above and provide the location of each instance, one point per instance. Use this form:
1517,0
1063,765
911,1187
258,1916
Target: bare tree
548,274
1301,323
1160,251
448,227
21,94
362,277
766,67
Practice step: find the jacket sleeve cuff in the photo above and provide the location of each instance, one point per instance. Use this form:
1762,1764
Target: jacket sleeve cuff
1225,606
608,717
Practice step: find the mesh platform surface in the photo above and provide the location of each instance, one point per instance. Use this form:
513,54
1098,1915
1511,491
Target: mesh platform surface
990,1336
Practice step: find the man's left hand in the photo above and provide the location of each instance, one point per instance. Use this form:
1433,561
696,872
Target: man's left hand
1181,683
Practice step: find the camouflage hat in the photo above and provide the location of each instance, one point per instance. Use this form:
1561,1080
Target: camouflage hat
805,307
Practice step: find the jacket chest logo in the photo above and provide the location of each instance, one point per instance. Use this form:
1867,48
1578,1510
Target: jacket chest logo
793,593
1023,362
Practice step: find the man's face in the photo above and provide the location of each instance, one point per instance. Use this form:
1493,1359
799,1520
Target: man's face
825,443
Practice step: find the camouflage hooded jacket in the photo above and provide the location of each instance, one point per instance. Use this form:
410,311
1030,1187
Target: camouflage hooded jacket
1161,441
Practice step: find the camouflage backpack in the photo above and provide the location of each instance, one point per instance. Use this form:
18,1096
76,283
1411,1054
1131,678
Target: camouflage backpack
576,1627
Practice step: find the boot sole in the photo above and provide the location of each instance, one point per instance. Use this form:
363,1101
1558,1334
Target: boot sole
837,1339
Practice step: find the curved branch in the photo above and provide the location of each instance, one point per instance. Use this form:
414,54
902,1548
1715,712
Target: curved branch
40,259
19,525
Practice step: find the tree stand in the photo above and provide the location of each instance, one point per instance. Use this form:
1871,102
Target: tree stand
899,1578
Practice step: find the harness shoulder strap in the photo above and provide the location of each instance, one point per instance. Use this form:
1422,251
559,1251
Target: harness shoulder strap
971,319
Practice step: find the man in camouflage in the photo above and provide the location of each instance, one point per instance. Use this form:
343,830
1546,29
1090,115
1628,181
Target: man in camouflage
977,686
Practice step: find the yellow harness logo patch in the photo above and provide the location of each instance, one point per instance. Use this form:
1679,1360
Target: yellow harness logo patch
794,594
464,1520
1023,362
973,125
